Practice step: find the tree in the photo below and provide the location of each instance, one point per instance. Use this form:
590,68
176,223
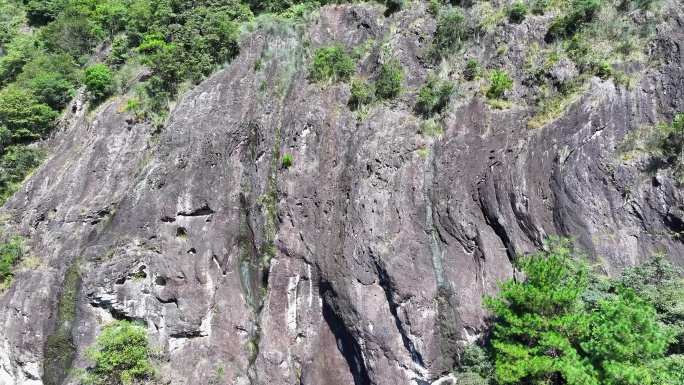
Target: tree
625,339
23,116
545,332
98,80
120,355
659,282
540,321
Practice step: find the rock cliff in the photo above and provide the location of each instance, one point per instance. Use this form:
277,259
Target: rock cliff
366,260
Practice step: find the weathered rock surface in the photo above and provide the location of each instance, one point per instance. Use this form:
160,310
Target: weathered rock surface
364,262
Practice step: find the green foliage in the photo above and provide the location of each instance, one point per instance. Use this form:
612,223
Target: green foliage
475,366
625,337
18,52
434,96
331,65
287,161
388,81
604,70
52,89
581,12
500,82
119,53
673,140
98,80
10,253
16,163
120,355
547,332
452,30
518,12
434,6
659,282
362,93
431,127
22,116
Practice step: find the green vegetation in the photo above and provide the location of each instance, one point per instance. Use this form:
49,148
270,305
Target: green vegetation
500,82
10,253
331,65
672,144
563,323
452,30
98,80
664,142
386,85
17,162
431,127
121,356
518,12
388,81
362,93
581,12
434,96
287,161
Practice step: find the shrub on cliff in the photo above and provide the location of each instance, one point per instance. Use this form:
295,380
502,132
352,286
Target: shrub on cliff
22,116
98,80
10,252
581,12
362,92
434,96
120,356
331,65
452,30
518,12
500,82
388,81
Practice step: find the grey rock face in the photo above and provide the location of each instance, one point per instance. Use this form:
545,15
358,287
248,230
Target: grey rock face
365,261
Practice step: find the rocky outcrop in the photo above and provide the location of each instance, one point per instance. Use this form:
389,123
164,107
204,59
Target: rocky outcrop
365,261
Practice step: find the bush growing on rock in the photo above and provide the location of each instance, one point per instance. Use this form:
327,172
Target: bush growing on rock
23,116
500,82
470,72
331,65
16,163
362,93
388,82
518,12
452,30
52,89
434,96
10,252
98,80
120,356
581,12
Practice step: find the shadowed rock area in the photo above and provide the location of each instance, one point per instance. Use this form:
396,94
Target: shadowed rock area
366,260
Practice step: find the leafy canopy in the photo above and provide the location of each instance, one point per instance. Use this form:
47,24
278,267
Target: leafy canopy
331,65
546,332
120,355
